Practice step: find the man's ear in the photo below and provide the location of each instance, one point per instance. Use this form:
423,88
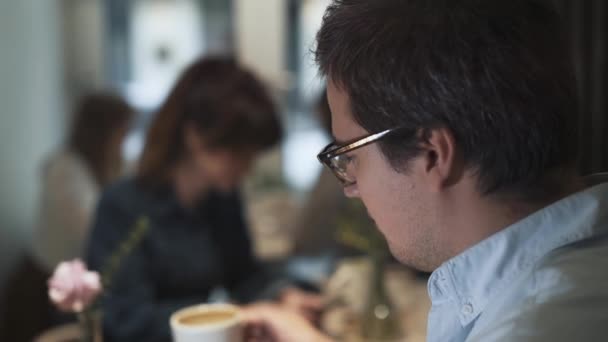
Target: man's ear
443,164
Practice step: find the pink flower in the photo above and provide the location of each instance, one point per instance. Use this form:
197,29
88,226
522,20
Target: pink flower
72,287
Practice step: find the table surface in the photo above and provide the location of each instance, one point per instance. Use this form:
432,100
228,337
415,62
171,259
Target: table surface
349,283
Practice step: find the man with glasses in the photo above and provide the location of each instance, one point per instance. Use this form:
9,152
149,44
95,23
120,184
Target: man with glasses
456,124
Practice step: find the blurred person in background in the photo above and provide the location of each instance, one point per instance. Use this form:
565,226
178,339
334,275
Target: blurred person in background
72,180
215,122
75,176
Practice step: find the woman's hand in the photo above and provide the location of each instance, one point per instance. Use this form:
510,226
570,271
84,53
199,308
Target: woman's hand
271,322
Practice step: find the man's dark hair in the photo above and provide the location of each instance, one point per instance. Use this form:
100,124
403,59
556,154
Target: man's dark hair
496,73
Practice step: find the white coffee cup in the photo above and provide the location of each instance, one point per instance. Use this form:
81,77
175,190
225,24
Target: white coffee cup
208,323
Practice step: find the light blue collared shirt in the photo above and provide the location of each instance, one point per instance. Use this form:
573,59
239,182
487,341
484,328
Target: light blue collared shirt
544,278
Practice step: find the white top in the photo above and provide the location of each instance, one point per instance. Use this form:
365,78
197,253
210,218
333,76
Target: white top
543,278
68,199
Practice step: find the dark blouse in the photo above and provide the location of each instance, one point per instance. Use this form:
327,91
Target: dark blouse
181,258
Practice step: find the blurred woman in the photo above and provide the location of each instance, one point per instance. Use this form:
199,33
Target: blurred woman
76,173
204,138
72,179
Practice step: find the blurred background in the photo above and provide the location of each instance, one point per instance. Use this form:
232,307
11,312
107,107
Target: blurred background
55,51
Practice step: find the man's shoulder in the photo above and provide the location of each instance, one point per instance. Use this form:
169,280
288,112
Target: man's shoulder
576,266
563,298
572,276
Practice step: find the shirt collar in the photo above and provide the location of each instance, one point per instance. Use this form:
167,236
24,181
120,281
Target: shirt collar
473,277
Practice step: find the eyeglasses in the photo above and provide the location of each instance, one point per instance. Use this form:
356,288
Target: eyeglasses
334,156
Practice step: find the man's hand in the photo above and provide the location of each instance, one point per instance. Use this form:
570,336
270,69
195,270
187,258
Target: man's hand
270,322
307,304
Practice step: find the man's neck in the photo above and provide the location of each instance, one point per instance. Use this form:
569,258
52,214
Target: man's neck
477,216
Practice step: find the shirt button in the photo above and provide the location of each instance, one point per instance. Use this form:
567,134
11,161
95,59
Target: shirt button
467,309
